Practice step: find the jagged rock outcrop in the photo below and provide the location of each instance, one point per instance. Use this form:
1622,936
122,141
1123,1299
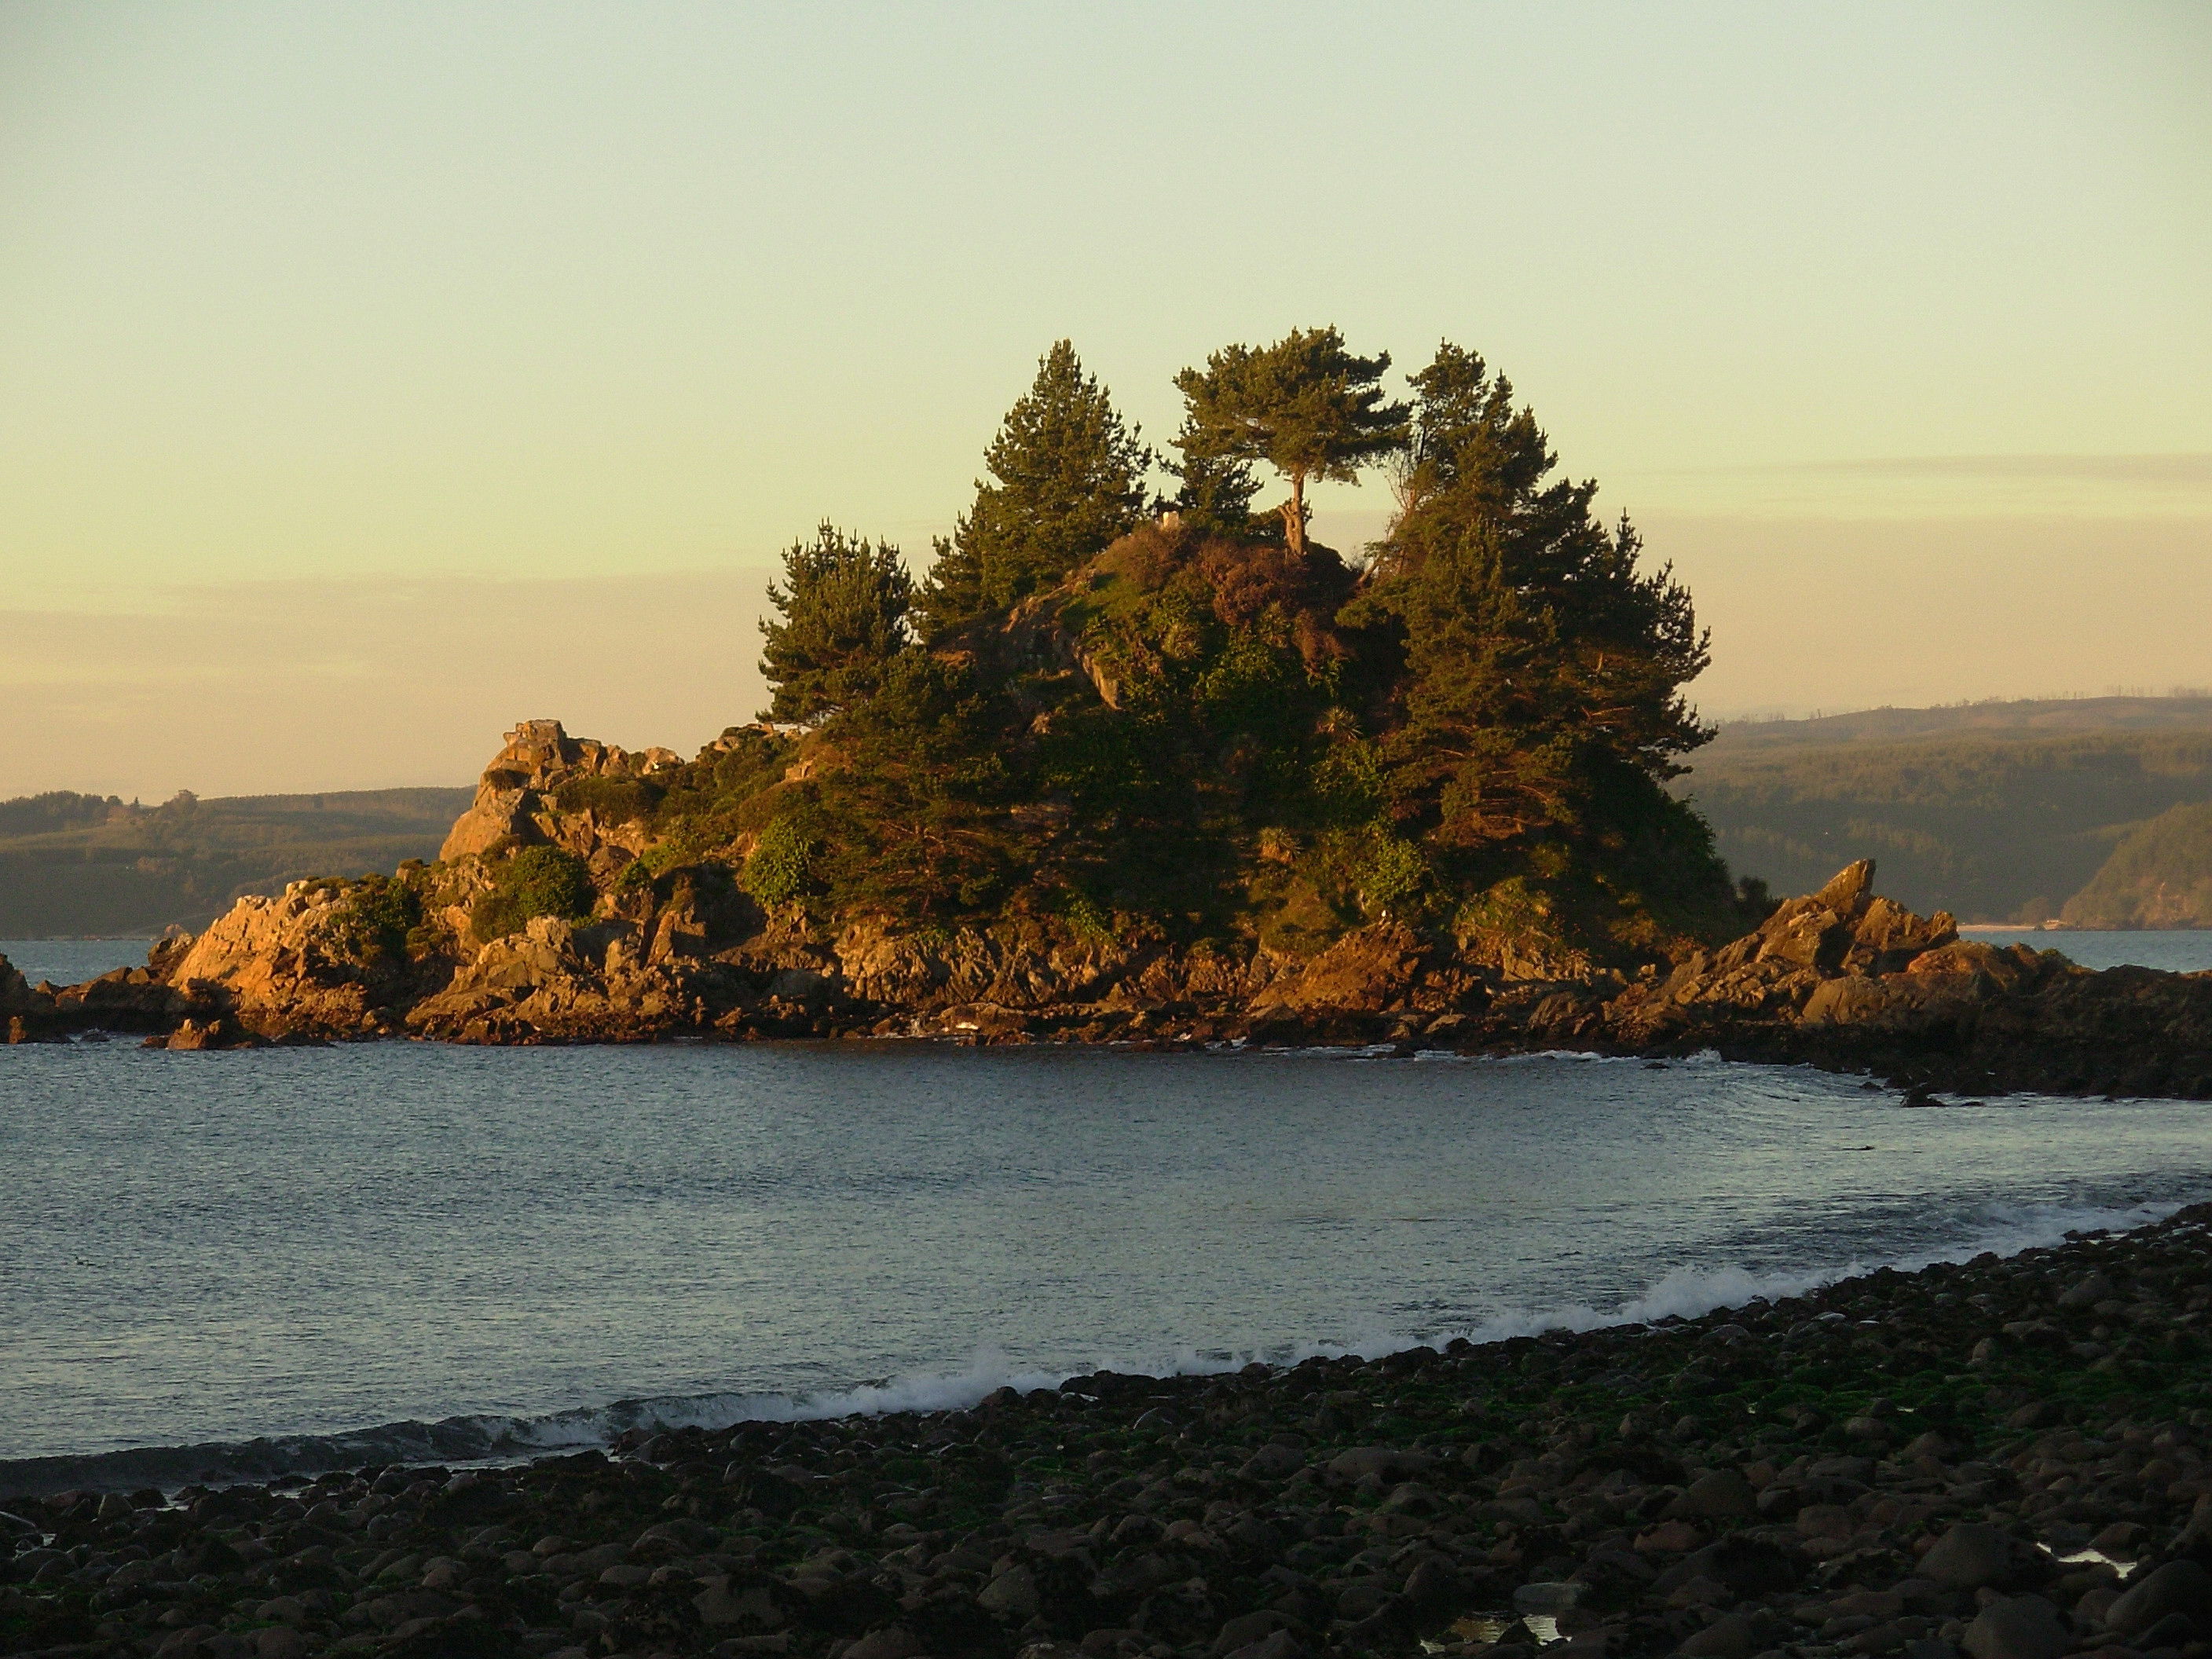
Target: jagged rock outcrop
1829,957
16,994
122,999
1845,978
539,755
273,965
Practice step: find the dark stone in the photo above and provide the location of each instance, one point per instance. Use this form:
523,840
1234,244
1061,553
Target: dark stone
2022,1627
2179,1586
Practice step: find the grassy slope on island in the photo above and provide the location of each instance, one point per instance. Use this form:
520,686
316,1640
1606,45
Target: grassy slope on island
74,865
1994,812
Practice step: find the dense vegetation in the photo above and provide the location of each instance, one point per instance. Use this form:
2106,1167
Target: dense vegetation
1176,714
1995,811
74,865
537,881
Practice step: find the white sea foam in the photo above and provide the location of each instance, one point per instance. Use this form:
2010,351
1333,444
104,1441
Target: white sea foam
1688,1292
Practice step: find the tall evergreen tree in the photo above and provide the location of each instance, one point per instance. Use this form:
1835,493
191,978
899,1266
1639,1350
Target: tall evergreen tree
1544,667
1469,450
1304,405
843,608
1067,477
1216,492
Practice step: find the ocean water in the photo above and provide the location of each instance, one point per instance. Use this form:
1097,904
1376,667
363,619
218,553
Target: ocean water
73,961
558,1242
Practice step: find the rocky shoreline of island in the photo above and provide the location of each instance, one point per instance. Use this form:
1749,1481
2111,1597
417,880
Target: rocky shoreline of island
2005,1458
1843,979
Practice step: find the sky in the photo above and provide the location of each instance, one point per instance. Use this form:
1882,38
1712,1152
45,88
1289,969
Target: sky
373,377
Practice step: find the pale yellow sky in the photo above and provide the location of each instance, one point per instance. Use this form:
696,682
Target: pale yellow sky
371,377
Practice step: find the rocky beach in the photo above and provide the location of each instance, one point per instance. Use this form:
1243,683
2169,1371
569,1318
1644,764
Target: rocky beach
2002,1459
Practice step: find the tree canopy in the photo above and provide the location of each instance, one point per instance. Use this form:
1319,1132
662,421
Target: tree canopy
1543,663
1215,728
843,607
1067,476
1305,405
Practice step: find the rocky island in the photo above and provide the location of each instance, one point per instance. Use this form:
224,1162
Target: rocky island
1841,978
1165,770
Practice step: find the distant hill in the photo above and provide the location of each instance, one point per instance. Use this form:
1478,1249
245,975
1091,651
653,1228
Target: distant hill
2159,876
74,865
2027,718
1997,811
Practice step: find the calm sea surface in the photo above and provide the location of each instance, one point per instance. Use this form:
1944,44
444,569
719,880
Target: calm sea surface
217,1246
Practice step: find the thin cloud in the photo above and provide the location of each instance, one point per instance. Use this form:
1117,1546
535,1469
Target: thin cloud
2183,471
2178,471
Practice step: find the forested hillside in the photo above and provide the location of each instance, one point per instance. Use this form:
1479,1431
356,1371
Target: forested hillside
2159,876
74,865
1998,812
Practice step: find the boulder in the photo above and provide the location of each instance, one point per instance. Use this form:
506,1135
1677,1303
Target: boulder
1970,1556
2179,1586
1274,1462
1366,971
2018,1627
1732,1636
1386,1463
2088,1292
1012,1594
1722,1493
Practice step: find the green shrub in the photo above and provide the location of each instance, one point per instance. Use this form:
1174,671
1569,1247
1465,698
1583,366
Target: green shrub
1380,874
1391,875
537,881
372,925
612,801
782,867
685,847
1087,919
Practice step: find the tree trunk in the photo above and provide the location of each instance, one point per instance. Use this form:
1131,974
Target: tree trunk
1294,515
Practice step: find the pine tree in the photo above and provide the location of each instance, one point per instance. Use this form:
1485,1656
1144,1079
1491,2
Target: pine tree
843,608
1216,492
1543,668
1304,405
1068,478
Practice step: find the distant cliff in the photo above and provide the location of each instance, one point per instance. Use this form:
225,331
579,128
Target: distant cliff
74,865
